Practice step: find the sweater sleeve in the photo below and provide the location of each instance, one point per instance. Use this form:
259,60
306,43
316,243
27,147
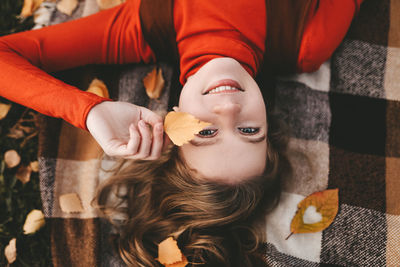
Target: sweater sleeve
324,32
111,36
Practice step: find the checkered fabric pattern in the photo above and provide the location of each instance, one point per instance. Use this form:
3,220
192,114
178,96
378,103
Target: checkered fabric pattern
344,125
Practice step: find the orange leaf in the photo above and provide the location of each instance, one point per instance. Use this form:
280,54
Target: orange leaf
67,6
316,212
12,158
70,203
182,263
106,4
98,87
29,7
169,252
181,127
24,173
154,83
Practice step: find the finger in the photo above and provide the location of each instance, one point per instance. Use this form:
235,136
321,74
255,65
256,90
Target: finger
146,136
150,117
134,140
157,143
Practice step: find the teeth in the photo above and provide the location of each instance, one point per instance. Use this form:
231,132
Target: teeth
223,88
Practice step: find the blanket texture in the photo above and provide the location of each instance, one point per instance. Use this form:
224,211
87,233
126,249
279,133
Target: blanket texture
344,124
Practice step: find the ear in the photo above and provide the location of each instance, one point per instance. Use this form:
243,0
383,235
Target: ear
175,108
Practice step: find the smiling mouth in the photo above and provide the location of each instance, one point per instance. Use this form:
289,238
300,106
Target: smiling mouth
224,86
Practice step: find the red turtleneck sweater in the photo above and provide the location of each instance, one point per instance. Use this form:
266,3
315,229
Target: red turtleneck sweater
204,30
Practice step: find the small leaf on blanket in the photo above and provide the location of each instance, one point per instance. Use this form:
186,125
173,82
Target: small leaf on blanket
24,173
29,7
181,127
99,88
10,251
71,203
169,253
4,108
12,158
105,4
154,83
34,221
316,212
67,6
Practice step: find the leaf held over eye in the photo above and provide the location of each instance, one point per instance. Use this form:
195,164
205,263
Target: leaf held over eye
170,255
316,212
154,83
181,127
99,88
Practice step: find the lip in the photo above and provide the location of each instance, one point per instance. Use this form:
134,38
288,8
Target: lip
225,82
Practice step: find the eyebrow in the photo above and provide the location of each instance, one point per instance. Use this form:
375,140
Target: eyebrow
213,141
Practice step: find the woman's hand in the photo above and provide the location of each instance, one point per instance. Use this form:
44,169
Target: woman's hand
126,130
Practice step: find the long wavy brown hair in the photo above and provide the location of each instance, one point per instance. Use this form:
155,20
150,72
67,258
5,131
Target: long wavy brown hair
215,224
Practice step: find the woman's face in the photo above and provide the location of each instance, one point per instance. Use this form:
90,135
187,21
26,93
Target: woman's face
234,147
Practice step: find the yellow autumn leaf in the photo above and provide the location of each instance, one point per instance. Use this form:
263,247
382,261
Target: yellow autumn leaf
106,4
169,252
10,251
29,7
67,6
181,127
99,88
323,205
154,83
12,158
24,173
70,203
33,222
34,165
4,108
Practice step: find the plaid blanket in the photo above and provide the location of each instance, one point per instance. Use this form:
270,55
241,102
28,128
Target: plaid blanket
345,125
344,133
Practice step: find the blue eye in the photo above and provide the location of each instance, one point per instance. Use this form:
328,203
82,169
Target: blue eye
249,130
207,133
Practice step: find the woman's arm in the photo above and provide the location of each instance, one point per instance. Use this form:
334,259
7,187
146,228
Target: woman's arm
112,36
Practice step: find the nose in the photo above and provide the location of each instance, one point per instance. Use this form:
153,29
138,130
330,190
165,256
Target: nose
227,109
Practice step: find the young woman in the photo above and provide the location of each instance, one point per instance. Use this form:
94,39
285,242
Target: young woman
213,190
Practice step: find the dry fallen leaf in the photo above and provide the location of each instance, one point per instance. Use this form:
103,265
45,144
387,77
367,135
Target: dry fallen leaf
4,108
24,173
10,251
71,203
169,252
181,127
316,212
33,222
12,158
99,88
181,263
67,6
29,7
105,4
15,133
154,83
34,165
